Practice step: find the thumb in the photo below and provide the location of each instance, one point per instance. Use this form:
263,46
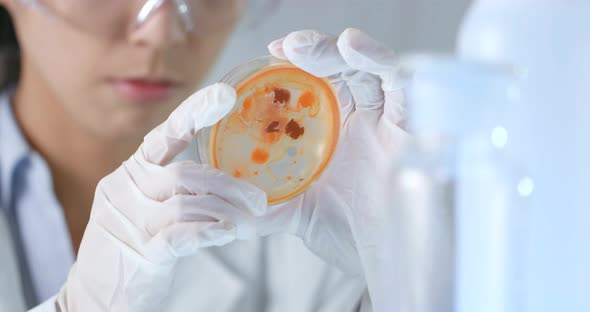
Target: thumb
202,109
365,54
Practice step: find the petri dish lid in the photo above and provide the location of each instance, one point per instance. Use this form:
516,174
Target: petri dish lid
282,131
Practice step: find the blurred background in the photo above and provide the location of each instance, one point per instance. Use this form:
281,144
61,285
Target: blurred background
404,25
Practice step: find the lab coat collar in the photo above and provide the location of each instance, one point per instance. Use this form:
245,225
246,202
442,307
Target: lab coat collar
13,147
11,291
202,281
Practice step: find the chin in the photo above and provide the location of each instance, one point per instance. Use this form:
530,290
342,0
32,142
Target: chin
129,119
130,124
142,124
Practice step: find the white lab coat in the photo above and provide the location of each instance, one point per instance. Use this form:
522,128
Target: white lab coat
229,279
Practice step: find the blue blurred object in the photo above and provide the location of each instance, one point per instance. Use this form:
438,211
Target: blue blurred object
548,130
456,209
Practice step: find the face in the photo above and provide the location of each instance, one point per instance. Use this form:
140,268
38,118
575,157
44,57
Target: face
119,83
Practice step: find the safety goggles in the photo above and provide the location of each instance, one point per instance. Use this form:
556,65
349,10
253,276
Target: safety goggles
113,17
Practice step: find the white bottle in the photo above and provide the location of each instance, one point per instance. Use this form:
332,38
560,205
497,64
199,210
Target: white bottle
454,194
492,216
549,130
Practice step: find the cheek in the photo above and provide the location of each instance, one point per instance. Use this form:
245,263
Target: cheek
68,67
62,60
201,56
62,56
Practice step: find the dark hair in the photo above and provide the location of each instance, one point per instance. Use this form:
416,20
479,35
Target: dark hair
9,51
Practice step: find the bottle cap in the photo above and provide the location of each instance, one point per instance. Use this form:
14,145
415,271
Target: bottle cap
456,97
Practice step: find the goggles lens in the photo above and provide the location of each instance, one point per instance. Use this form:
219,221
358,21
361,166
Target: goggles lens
111,17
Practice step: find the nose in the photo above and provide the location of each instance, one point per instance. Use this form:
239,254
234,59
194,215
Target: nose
161,23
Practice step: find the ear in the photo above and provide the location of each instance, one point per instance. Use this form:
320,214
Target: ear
7,5
9,9
6,13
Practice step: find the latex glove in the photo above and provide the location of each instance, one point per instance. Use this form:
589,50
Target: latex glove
149,212
342,213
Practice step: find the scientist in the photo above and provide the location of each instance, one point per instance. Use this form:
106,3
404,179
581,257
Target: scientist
91,222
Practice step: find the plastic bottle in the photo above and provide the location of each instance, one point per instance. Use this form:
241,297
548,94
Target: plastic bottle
550,40
438,227
492,215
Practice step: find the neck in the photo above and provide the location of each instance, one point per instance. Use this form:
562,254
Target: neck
77,158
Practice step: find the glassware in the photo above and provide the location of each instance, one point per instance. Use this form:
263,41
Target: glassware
455,197
282,131
548,131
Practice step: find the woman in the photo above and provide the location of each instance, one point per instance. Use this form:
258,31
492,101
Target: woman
79,231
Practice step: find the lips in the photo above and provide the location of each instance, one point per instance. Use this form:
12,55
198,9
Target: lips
144,90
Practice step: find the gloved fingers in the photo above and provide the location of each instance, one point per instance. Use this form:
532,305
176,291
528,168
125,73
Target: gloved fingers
278,219
202,109
313,51
123,200
366,90
275,49
317,53
345,98
395,108
179,209
367,55
189,178
154,182
192,178
192,187
363,53
366,65
186,238
192,208
159,183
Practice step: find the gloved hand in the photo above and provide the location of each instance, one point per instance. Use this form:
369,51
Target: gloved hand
149,212
340,215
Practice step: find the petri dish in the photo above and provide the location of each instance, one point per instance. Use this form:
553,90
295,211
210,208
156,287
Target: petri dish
282,131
